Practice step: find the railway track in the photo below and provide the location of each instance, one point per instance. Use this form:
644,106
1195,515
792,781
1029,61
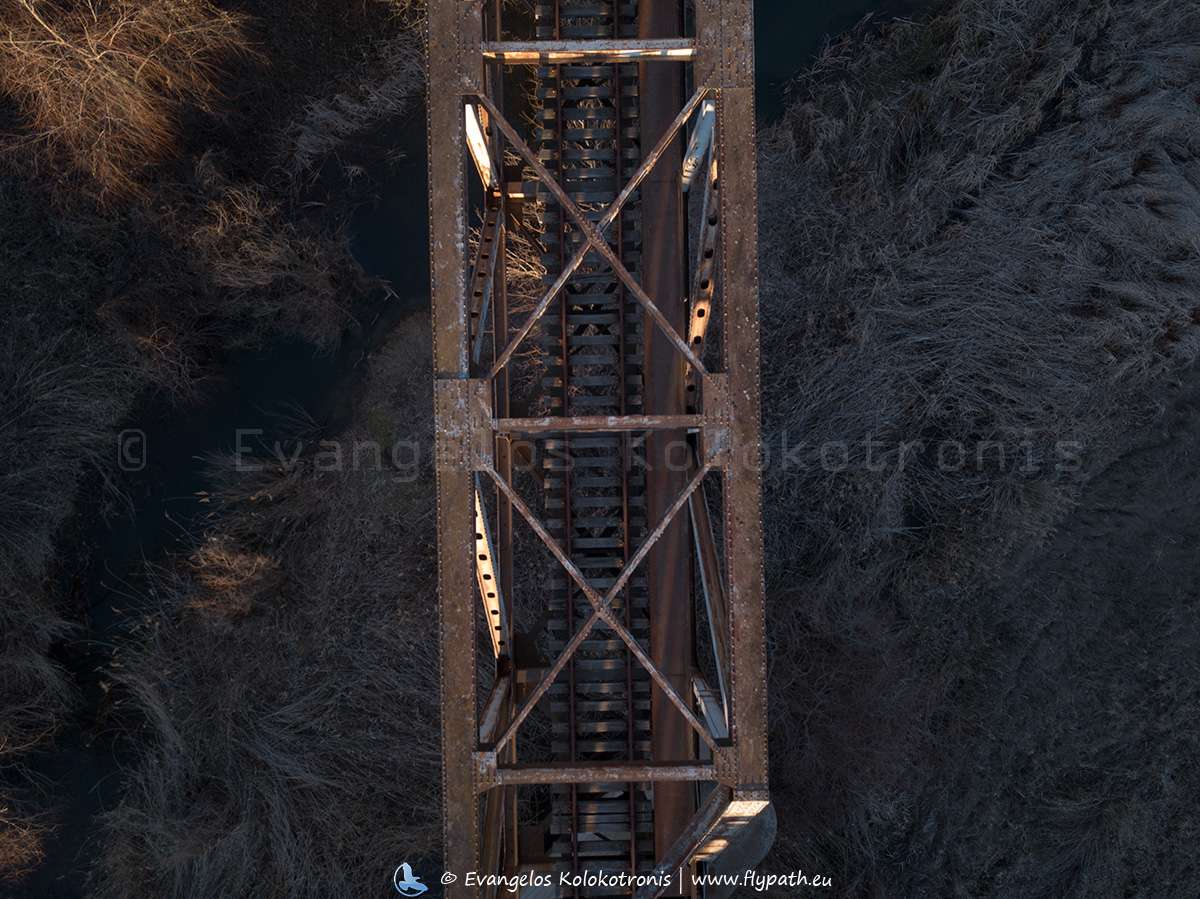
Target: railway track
647,766
594,492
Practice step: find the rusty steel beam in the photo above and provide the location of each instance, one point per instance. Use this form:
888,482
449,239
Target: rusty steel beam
494,803
609,772
688,842
609,216
455,66
712,583
555,424
474,421
602,611
731,63
494,709
564,51
494,608
483,272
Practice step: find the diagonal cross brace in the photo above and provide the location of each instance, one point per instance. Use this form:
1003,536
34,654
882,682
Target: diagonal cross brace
602,609
594,234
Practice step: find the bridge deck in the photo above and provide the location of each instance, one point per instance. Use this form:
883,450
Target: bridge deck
586,729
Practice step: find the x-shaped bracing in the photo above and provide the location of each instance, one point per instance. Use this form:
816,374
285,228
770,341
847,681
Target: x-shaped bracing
594,234
602,608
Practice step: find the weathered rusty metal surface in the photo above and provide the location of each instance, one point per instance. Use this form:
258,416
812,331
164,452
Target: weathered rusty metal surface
453,30
712,583
602,610
595,235
494,709
613,772
690,839
717,418
704,281
555,52
598,243
743,476
483,273
663,275
558,424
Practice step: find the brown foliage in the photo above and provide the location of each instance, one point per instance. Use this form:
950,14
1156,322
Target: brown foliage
20,844
103,81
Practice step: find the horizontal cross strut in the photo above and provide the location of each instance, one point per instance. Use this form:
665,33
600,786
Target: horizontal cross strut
523,52
597,423
612,772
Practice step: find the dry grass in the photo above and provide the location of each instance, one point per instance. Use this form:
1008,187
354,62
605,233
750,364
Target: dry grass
328,122
289,689
21,848
977,232
116,284
63,386
104,82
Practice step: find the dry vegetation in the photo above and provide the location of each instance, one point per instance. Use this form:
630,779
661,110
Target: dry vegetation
103,82
64,383
289,689
391,78
147,230
979,231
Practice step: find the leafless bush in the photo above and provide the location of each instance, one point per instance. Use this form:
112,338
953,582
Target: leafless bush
976,231
103,81
328,122
57,401
21,840
290,689
271,275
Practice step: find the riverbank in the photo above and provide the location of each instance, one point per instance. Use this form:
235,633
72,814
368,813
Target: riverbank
132,303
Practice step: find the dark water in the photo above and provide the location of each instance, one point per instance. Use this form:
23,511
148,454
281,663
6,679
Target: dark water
260,390
789,34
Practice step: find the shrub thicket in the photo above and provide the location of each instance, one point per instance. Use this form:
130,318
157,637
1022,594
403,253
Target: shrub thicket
103,83
979,241
290,689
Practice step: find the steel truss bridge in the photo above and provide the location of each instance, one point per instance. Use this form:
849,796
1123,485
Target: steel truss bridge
603,669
